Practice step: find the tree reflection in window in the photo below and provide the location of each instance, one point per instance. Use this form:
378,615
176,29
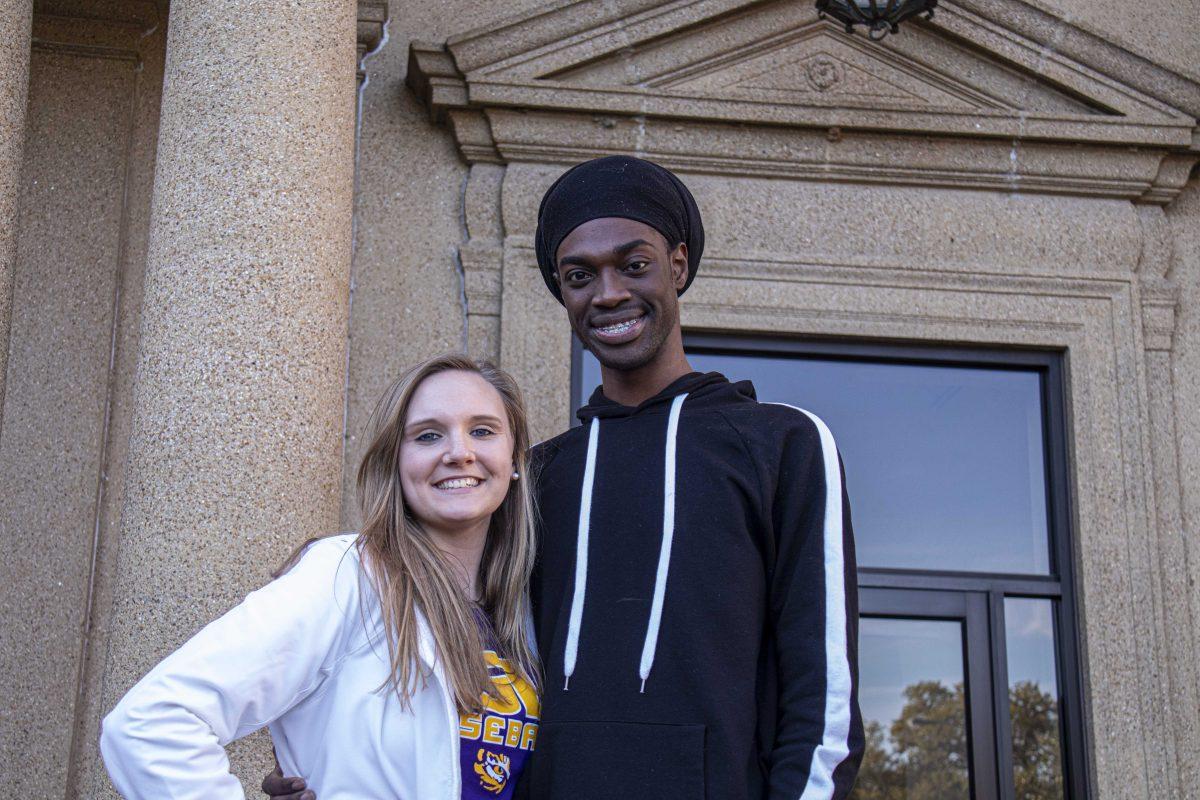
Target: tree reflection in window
922,754
1037,771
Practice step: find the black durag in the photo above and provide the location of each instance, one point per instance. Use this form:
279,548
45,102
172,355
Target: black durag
618,186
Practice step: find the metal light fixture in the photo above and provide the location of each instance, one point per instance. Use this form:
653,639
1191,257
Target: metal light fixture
880,17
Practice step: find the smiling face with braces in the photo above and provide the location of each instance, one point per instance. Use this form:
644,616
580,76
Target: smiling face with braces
620,280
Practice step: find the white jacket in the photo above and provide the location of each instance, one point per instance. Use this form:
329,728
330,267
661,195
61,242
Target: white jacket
304,655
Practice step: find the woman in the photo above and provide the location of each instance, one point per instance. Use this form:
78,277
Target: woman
393,663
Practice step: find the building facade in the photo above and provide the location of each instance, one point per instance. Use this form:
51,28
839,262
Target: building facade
226,225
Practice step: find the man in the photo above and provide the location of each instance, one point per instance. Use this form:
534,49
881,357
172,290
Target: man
695,601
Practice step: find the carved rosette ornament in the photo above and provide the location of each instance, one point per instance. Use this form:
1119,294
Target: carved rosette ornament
823,73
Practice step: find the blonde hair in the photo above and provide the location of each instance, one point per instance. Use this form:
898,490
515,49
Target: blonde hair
410,572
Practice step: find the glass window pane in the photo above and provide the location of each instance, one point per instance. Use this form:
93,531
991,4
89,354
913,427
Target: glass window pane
944,465
1033,699
911,692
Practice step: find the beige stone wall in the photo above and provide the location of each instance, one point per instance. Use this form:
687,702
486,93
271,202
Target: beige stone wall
16,21
407,301
1184,377
101,582
90,137
1166,31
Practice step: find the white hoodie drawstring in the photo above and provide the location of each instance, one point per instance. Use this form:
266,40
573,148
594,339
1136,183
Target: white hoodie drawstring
581,554
664,553
571,653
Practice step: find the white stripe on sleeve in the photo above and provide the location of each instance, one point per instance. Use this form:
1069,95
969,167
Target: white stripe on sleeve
834,747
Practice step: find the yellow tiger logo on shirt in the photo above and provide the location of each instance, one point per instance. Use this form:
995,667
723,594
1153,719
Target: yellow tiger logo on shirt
492,770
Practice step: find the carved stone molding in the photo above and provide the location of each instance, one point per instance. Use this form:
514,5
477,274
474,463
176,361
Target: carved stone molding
1173,174
433,76
1154,260
372,19
1160,298
482,259
1092,319
1090,50
762,87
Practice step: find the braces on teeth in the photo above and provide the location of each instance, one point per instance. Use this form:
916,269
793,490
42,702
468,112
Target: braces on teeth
619,327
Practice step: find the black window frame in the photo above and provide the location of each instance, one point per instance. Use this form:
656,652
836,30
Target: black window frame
970,610
979,591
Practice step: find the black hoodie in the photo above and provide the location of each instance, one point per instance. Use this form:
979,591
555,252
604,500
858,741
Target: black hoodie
695,603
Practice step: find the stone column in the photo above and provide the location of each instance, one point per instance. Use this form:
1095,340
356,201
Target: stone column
16,21
235,455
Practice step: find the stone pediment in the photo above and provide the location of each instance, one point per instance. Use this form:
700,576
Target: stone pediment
820,66
985,74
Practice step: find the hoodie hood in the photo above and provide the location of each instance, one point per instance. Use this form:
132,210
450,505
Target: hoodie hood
701,388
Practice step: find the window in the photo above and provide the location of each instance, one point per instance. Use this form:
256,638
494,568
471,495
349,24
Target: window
956,464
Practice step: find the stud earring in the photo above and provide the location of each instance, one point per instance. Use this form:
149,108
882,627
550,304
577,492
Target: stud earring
516,475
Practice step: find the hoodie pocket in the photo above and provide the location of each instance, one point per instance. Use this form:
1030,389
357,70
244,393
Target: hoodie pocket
626,760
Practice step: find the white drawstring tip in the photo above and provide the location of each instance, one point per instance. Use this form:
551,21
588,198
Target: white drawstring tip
643,689
567,684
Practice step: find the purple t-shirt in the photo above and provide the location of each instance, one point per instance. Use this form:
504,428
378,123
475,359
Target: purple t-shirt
495,743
